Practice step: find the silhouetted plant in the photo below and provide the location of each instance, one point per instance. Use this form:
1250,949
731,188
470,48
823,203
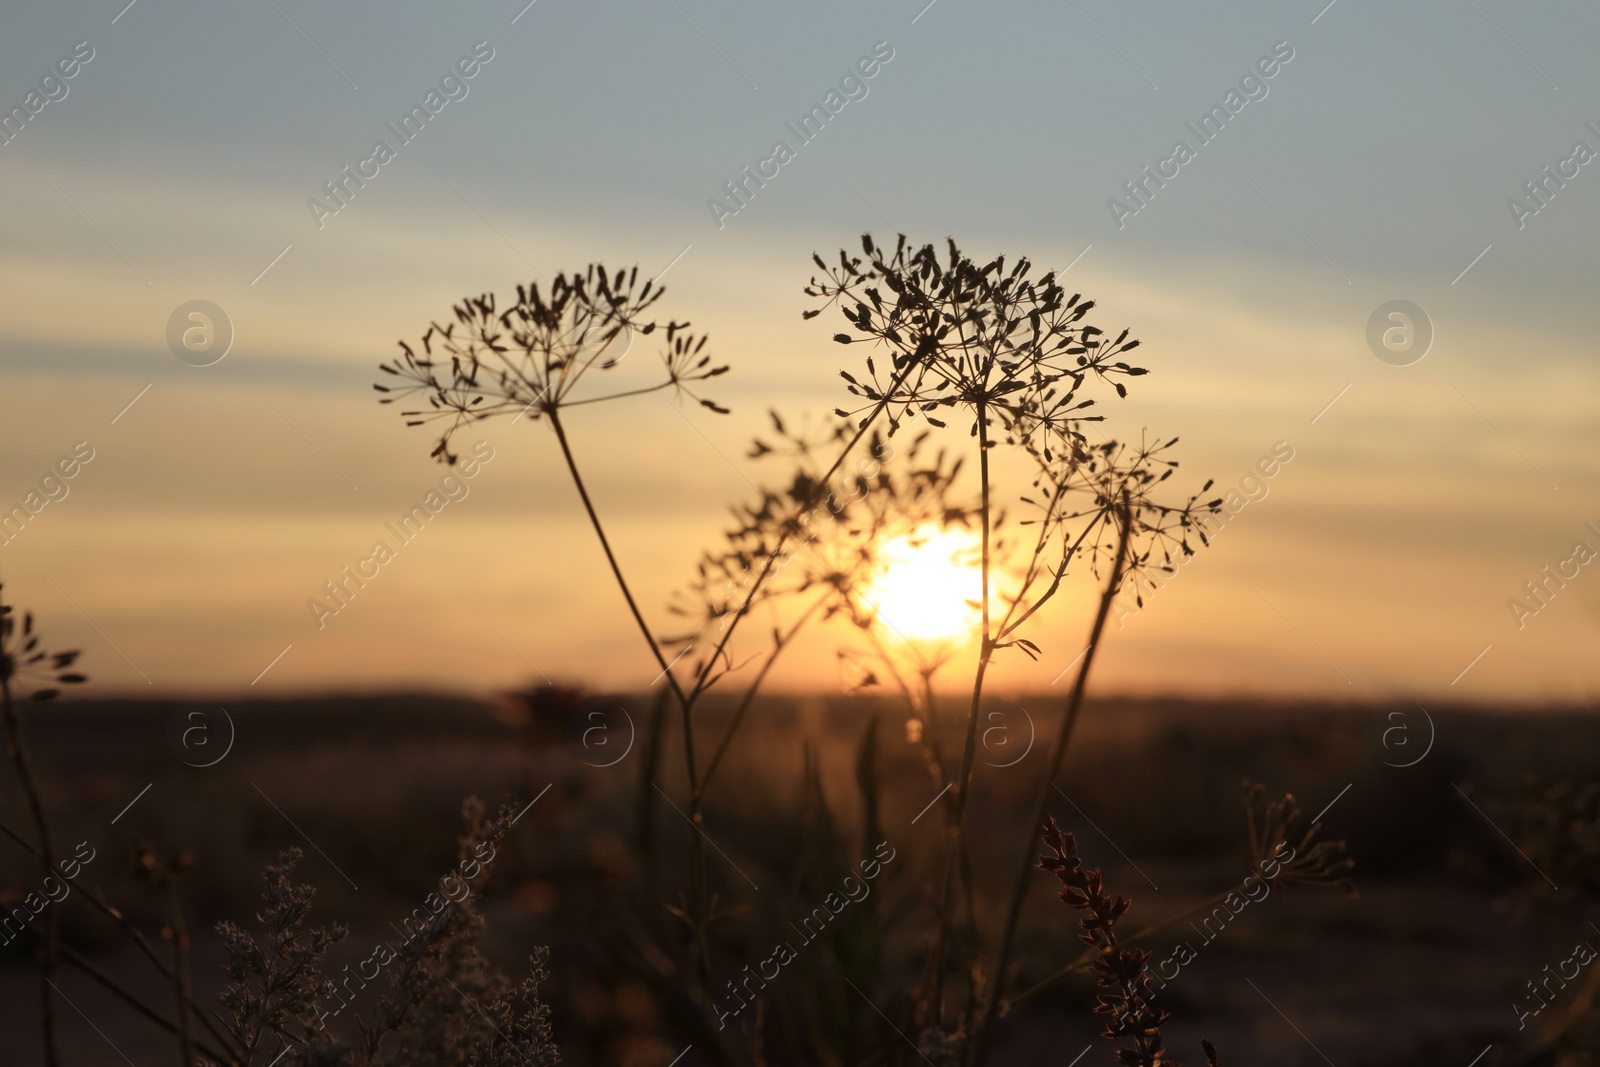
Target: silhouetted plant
25,662
832,532
1010,354
975,339
1001,357
274,986
1011,358
531,359
1269,828
1316,861
163,874
1120,972
443,1003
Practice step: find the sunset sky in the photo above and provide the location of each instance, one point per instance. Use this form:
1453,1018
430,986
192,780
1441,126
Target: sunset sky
1384,158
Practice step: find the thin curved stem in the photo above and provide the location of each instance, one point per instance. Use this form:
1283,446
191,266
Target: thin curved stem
788,529
617,396
78,960
697,853
182,988
1010,621
96,899
50,942
1020,884
748,698
956,862
986,650
644,834
616,568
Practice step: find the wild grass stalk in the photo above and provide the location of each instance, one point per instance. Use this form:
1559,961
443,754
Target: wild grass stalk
1315,861
96,899
649,768
51,935
1121,971
164,876
22,659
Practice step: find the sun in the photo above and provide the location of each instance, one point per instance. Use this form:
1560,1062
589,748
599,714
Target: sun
925,583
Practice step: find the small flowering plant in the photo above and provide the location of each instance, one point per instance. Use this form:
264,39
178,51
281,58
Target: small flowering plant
987,353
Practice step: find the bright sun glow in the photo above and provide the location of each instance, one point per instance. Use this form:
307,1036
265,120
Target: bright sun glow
925,583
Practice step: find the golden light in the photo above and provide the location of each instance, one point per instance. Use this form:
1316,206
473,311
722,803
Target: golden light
925,584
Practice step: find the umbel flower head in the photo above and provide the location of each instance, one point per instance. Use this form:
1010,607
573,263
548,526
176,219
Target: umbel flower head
23,661
1276,823
962,337
1015,357
532,357
831,530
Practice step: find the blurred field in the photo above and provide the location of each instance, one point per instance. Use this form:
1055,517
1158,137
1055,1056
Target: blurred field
1424,964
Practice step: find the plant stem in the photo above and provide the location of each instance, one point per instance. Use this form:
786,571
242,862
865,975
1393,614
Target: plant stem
749,696
181,986
697,897
79,961
986,650
644,832
697,856
48,955
96,899
788,528
1019,890
686,701
616,568
957,856
933,743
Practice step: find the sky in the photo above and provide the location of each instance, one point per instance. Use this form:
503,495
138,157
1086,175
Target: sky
1387,157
